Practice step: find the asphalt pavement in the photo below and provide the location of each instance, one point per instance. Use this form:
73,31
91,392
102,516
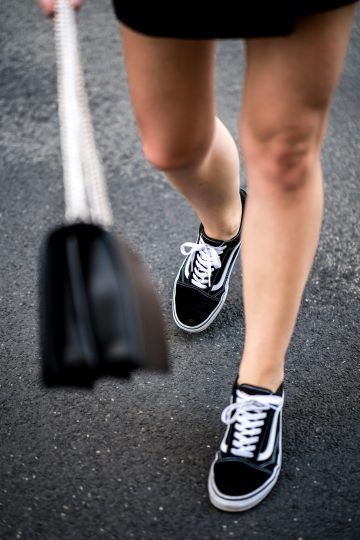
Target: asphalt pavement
131,459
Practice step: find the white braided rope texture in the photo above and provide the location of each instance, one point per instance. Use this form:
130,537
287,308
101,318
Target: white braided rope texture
86,197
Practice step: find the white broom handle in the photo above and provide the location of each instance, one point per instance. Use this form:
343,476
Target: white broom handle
85,187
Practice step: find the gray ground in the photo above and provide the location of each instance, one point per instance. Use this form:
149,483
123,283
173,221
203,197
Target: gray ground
130,460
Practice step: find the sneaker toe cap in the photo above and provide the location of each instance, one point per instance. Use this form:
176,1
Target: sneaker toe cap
192,306
236,478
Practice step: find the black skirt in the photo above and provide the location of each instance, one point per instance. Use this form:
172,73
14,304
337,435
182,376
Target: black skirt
210,20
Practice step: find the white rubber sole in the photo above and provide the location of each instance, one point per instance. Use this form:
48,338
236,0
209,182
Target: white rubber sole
245,502
214,314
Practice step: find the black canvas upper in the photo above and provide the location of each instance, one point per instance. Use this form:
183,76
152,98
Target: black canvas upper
236,476
195,306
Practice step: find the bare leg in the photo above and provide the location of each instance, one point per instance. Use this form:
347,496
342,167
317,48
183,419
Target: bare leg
289,85
172,91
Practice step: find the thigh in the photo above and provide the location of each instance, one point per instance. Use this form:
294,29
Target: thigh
171,87
290,80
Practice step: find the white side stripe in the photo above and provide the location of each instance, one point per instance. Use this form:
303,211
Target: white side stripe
225,271
267,453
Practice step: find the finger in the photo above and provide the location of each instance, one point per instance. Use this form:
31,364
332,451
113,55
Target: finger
76,3
48,7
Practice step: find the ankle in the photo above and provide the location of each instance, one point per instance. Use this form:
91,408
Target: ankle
263,376
220,233
225,230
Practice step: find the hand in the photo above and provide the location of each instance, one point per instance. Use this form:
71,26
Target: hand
48,6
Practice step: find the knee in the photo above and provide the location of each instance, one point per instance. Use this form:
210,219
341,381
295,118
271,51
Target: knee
283,156
177,152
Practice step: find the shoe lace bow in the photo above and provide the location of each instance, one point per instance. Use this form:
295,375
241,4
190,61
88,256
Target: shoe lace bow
248,415
203,261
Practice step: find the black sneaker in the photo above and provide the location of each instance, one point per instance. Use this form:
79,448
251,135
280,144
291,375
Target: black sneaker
248,463
202,283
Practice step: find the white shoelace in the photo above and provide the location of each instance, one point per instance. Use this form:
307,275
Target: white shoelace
248,413
206,262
